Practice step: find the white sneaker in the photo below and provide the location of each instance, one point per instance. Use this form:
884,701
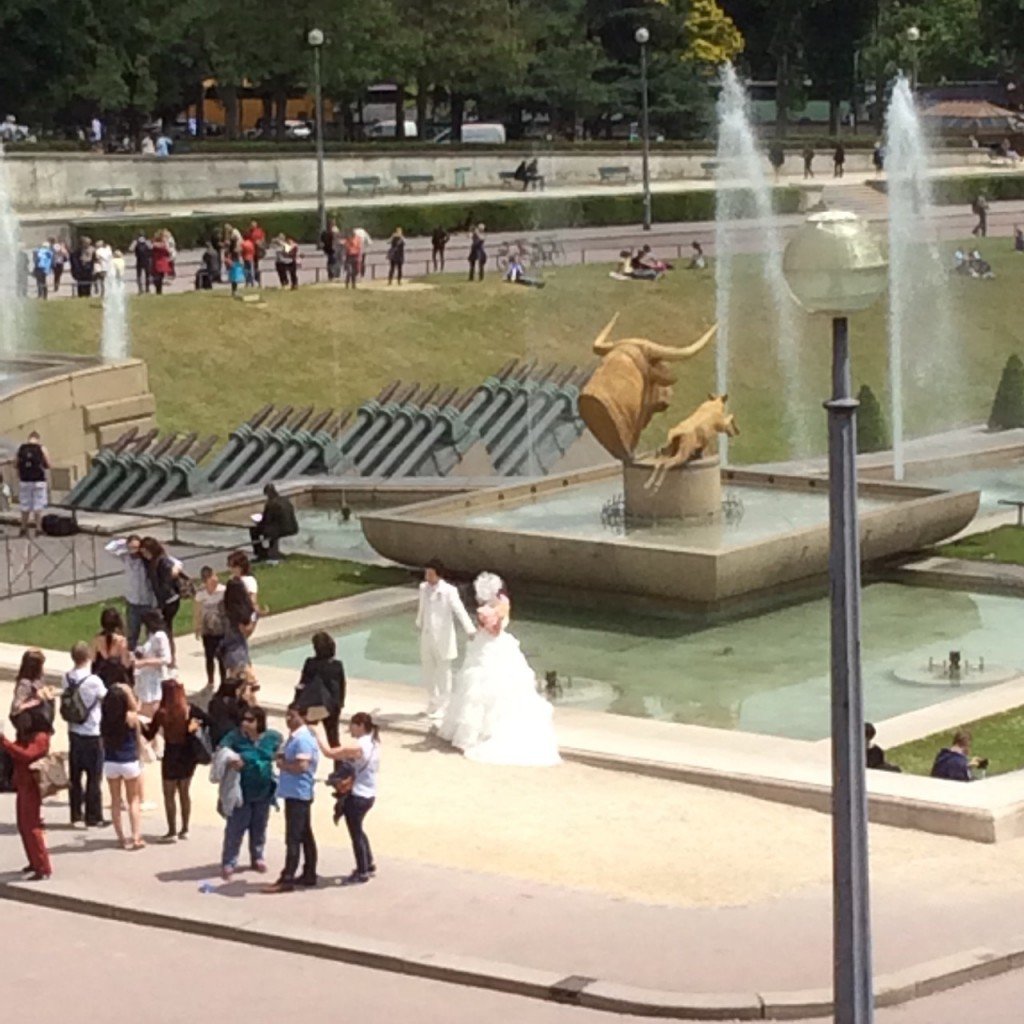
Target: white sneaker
147,806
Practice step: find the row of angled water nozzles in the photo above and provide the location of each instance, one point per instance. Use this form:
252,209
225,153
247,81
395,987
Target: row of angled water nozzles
956,664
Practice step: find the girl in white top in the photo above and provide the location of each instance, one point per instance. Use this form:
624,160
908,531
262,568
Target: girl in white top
364,755
152,663
238,564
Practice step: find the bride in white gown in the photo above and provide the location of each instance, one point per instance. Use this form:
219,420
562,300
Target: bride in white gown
496,714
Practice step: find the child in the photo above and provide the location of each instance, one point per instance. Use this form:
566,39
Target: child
236,273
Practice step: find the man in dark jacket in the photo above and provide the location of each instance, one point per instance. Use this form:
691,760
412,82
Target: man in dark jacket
955,762
277,521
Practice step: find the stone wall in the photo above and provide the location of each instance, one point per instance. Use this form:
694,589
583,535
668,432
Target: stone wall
51,180
77,411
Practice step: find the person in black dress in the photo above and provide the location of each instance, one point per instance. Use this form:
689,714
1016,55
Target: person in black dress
321,689
178,719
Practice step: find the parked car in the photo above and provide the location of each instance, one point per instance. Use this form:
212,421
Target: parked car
477,132
293,130
386,130
11,131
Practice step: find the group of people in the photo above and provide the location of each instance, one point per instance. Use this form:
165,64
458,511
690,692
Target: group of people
953,763
114,729
92,265
155,260
641,264
972,264
236,254
347,252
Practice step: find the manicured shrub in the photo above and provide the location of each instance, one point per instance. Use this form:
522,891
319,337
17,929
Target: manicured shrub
872,433
527,216
1008,407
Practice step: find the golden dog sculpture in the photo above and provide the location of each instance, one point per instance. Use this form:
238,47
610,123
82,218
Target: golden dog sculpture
695,436
632,383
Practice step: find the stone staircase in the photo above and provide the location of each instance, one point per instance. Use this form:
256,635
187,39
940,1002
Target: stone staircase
859,198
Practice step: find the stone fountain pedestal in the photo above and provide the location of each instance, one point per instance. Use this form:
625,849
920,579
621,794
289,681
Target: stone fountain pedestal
687,492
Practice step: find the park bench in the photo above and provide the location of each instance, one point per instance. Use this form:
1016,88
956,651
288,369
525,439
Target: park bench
509,180
255,189
613,173
105,198
369,183
1019,505
407,182
460,176
709,167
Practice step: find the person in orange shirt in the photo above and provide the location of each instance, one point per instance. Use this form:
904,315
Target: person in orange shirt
353,257
258,237
248,252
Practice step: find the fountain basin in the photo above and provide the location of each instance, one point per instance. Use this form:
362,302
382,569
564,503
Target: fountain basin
936,678
549,531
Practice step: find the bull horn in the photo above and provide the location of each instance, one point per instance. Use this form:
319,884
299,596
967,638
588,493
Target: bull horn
676,355
601,344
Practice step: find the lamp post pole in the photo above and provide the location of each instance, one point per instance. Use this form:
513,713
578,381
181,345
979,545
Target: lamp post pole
834,266
852,991
643,37
914,38
316,41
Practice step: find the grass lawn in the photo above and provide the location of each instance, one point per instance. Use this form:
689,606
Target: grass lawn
1000,738
295,583
214,361
1003,544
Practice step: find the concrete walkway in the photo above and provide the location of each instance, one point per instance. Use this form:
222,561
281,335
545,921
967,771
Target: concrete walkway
527,938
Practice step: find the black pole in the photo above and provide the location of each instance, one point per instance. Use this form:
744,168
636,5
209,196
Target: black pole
851,952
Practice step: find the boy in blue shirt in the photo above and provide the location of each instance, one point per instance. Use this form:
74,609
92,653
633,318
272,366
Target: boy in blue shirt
42,264
297,763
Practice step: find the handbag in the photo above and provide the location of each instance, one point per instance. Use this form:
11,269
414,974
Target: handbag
51,772
200,746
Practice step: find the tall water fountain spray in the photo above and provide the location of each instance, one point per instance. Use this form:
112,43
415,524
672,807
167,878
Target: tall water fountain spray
114,339
920,327
742,189
12,308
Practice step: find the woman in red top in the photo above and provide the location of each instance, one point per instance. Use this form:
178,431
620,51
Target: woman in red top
31,743
258,237
162,263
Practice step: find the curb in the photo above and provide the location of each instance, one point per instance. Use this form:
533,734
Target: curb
893,989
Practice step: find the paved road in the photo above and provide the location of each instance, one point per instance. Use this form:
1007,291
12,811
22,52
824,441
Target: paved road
162,978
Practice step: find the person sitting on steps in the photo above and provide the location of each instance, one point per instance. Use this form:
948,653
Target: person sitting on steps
277,521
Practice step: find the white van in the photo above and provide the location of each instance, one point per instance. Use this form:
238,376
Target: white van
478,132
386,130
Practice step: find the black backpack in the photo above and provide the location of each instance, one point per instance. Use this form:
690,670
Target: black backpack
31,466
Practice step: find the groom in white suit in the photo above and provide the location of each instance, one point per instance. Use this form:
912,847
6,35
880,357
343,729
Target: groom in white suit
439,607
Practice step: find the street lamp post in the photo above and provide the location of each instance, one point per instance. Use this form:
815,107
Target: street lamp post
643,37
834,266
913,38
316,42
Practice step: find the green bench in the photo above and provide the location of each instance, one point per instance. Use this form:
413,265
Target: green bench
105,198
369,183
407,182
612,173
710,168
508,179
255,189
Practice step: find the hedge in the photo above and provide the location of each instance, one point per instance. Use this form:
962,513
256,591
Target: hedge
526,215
962,191
1008,406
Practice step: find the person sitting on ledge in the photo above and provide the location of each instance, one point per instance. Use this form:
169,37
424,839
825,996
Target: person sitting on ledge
277,521
955,762
875,754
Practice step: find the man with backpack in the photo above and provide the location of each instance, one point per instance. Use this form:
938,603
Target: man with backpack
33,463
81,706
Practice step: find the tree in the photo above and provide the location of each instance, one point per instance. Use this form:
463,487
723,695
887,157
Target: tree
1008,407
712,37
872,433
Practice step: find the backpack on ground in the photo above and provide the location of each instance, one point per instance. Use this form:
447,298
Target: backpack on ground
54,525
73,708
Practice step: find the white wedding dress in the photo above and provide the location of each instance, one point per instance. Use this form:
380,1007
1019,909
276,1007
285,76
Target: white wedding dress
496,715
